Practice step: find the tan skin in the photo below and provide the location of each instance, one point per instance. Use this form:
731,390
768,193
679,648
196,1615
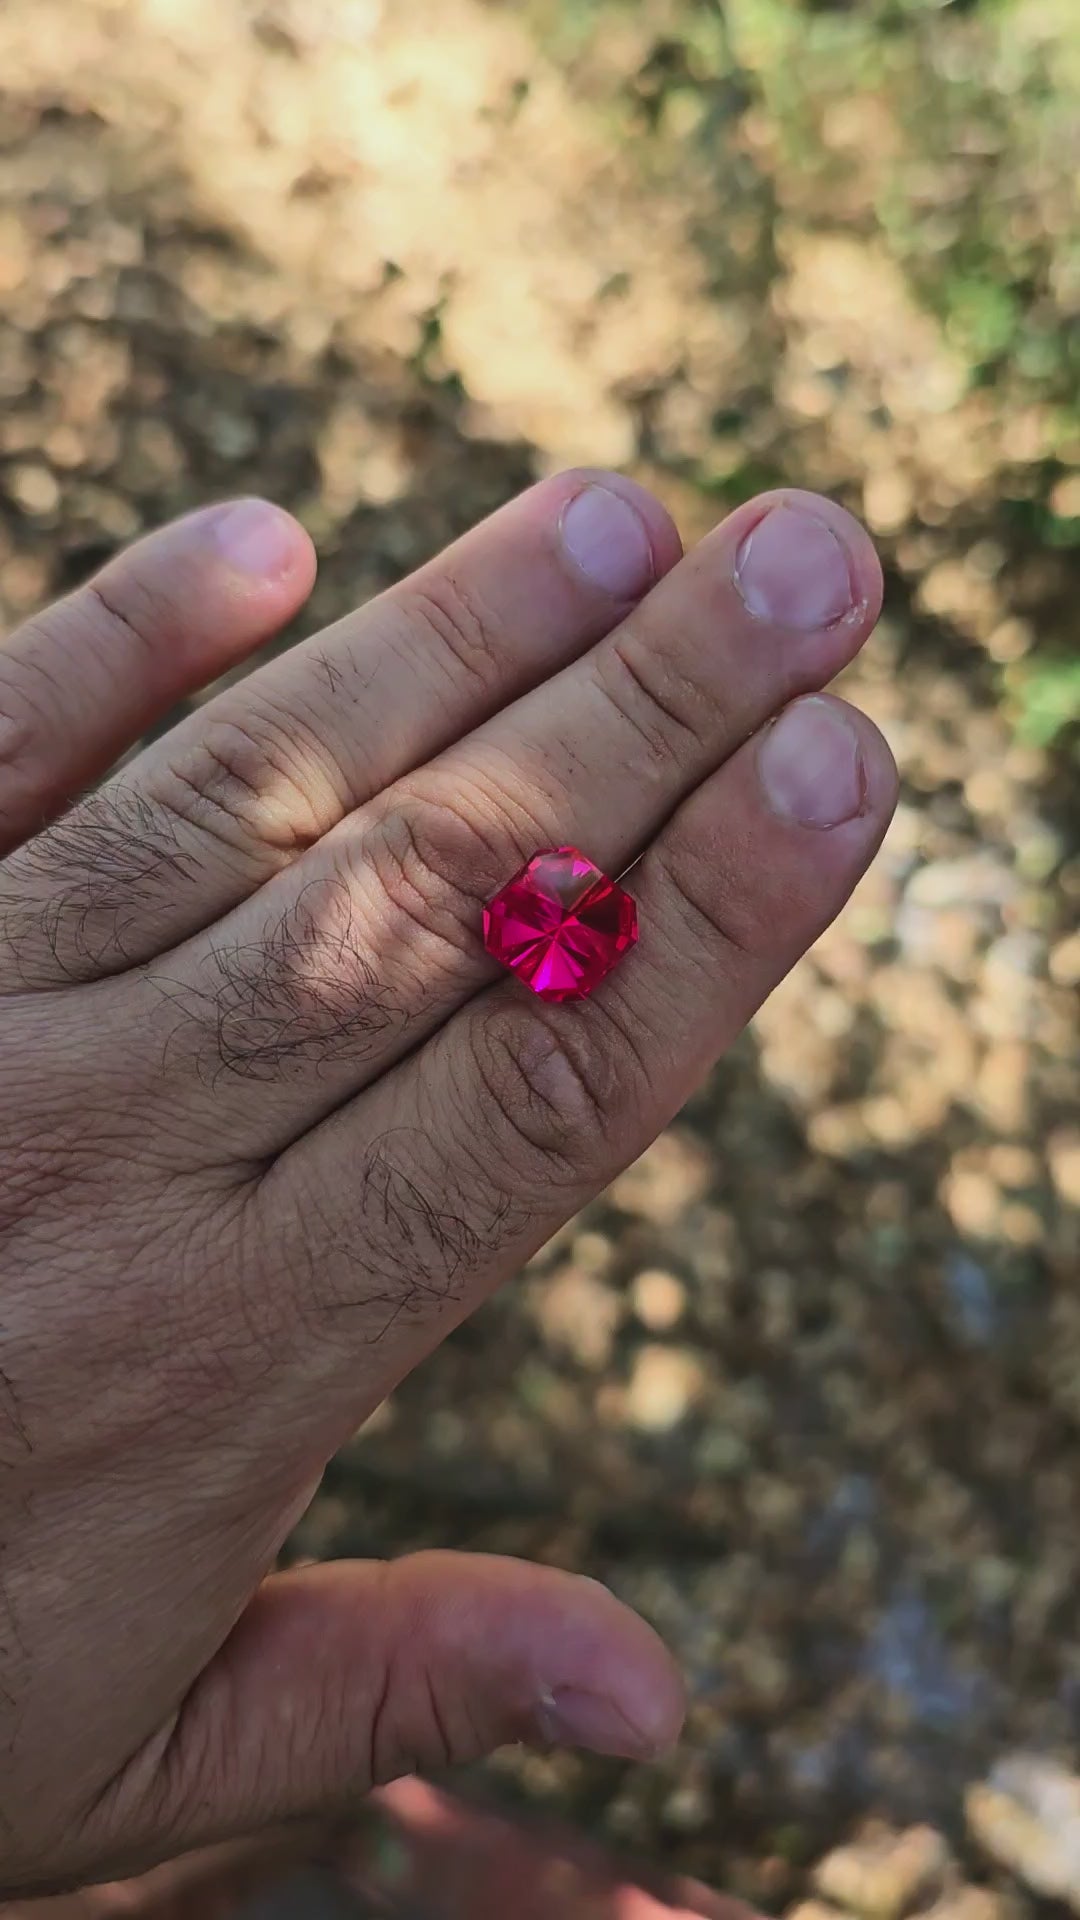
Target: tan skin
273,1123
426,1854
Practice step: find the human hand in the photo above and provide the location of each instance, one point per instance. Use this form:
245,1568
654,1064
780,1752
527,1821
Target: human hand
414,1851
272,1126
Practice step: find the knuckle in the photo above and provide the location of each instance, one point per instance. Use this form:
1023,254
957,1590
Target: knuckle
437,859
416,1722
17,732
240,784
447,606
737,915
649,699
134,604
29,697
552,1089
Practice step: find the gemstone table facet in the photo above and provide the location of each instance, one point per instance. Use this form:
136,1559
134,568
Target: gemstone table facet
560,925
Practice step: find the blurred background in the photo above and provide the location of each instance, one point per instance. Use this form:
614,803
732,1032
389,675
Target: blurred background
804,1386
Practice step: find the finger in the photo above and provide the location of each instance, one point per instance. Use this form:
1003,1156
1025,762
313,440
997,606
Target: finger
384,1226
81,682
456,1861
213,1883
243,786
344,1676
328,976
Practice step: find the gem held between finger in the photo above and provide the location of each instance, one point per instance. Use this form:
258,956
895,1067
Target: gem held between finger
560,925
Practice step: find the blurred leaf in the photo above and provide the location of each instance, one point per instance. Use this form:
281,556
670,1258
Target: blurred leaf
982,316
1046,694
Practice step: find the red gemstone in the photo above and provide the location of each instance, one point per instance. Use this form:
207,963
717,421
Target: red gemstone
560,925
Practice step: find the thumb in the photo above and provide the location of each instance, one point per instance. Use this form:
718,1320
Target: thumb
341,1677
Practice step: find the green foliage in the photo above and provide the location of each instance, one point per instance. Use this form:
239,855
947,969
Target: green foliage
945,132
1046,699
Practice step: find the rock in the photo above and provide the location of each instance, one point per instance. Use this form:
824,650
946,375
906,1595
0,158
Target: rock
34,489
965,1903
922,1683
978,880
972,1307
1002,1092
882,1874
973,1200
1064,961
1027,1817
664,1385
668,1179
812,1910
954,1899
658,1298
578,1313
1063,1154
689,1808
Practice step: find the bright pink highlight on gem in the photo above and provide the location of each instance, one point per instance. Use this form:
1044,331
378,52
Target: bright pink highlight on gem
560,925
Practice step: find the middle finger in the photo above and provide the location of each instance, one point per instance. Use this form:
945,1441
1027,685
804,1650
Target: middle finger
333,971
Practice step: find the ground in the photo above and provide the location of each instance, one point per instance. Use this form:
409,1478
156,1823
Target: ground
804,1386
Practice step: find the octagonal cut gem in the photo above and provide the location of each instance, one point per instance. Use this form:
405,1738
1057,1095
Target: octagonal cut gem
560,924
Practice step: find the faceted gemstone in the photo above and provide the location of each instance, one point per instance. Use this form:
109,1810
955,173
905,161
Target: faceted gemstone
560,925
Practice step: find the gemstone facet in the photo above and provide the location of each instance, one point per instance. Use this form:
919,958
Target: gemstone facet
560,924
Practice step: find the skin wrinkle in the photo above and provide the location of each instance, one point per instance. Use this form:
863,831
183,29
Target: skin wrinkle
396,853
36,666
377,1724
292,742
243,789
552,1088
461,850
463,626
12,1422
155,616
306,994
124,851
114,615
672,730
16,738
432,1692
718,919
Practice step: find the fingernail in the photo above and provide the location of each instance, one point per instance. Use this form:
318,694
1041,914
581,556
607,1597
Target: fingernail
811,764
606,538
792,570
572,1717
255,537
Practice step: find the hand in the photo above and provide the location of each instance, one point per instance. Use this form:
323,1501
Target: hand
272,1127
